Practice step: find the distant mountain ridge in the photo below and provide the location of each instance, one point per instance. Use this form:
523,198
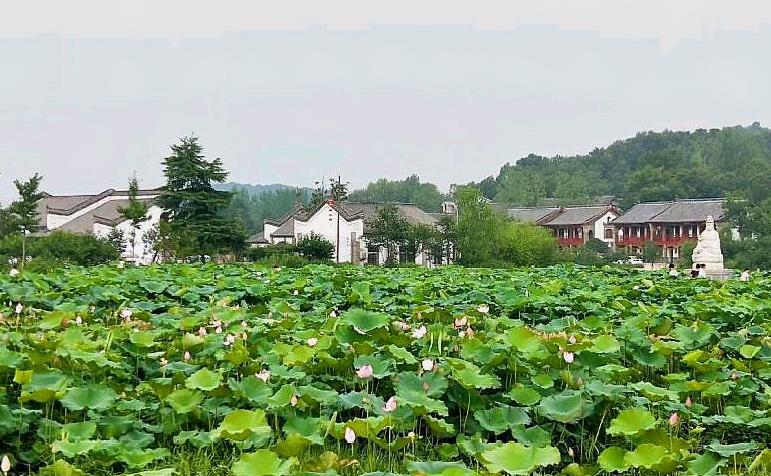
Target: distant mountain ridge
257,189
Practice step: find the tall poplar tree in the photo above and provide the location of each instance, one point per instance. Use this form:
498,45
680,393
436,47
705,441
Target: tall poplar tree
135,211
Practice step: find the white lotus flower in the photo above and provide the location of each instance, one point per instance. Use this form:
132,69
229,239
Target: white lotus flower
293,401
569,357
333,314
312,342
427,365
202,331
420,332
218,330
187,356
350,435
13,272
5,465
19,308
263,375
483,308
78,320
126,313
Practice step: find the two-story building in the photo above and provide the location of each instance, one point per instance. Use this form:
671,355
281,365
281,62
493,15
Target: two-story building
345,225
572,226
668,225
99,215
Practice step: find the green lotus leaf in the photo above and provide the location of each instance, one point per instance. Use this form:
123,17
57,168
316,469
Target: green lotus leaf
761,462
62,468
730,450
632,421
363,321
401,354
184,400
533,436
524,395
262,463
543,381
54,319
78,431
282,397
524,340
240,424
439,426
70,449
604,344
612,460
380,365
471,376
438,468
566,407
645,456
502,418
707,464
142,338
139,458
655,393
156,472
308,428
204,379
749,351
291,445
92,396
10,359
515,459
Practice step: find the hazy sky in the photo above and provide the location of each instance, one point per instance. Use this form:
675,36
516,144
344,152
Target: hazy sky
290,91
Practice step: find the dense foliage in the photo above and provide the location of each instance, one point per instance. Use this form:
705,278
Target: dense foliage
650,166
487,238
252,208
59,248
348,370
410,190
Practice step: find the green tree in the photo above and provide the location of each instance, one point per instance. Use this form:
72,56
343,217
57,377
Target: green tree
388,230
315,247
194,208
23,212
135,212
477,230
410,190
650,253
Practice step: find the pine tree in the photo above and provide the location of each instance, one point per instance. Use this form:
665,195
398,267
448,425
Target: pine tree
194,208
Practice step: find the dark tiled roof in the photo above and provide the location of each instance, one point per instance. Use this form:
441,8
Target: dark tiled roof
258,238
285,230
641,213
106,214
682,211
578,215
678,211
66,205
532,214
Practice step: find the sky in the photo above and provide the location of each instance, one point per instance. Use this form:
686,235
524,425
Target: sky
293,91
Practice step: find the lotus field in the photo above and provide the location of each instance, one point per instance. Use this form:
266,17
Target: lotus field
240,370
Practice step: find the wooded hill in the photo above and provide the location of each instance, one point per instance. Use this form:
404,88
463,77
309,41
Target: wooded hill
733,161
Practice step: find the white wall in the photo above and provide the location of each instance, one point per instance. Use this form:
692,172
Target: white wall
324,223
599,226
143,252
54,221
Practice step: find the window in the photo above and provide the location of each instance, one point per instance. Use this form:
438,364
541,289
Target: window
609,233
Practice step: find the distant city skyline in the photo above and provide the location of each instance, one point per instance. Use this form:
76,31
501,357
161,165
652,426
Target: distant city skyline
92,91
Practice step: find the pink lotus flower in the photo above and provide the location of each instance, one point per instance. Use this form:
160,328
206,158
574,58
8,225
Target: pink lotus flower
350,435
202,331
390,405
19,308
402,326
420,332
218,330
293,401
469,332
229,340
312,342
688,402
126,313
461,322
483,308
427,365
263,375
569,357
365,371
187,356
674,419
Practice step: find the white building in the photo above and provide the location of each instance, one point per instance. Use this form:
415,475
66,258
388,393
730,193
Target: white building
98,215
345,225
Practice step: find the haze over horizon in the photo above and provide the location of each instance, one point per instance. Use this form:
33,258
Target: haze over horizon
93,91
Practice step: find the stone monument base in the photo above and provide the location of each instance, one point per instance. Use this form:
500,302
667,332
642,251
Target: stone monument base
719,274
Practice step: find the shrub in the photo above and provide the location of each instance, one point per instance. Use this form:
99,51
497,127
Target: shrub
315,248
59,248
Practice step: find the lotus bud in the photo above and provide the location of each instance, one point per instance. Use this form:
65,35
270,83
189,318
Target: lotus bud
411,435
333,313
5,465
469,332
187,356
428,365
312,342
244,324
350,435
483,308
674,419
293,401
461,322
462,334
688,402
568,356
390,405
19,308
572,339
579,382
296,292
13,272
571,453
244,336
365,371
202,331
164,362
734,375
420,332
263,375
218,330
78,320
